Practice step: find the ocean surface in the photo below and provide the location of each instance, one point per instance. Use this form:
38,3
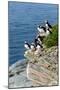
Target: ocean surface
23,19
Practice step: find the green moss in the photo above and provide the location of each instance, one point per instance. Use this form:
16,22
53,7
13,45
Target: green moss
52,39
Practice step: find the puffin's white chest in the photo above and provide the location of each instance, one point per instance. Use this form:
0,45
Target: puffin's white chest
47,26
26,46
47,33
32,47
41,31
38,50
39,41
38,47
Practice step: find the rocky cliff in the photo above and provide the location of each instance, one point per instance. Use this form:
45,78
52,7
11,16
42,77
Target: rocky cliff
35,70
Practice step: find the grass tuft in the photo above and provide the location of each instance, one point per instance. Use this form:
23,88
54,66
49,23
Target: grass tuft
52,39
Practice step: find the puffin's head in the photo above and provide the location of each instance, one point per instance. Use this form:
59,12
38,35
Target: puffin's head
40,26
46,21
25,42
32,46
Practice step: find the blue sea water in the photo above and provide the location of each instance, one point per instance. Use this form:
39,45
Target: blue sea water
23,19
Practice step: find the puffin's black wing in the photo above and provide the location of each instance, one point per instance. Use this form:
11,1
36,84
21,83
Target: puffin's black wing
49,25
44,28
28,44
50,31
40,45
36,41
40,38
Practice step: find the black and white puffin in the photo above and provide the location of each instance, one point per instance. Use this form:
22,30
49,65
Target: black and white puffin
36,41
39,38
48,25
26,45
33,47
41,30
38,49
39,46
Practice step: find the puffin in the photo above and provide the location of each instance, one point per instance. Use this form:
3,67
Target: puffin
33,47
36,41
26,45
38,49
39,38
41,30
47,24
48,28
39,46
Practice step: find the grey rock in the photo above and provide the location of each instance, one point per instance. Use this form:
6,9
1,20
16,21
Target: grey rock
17,75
